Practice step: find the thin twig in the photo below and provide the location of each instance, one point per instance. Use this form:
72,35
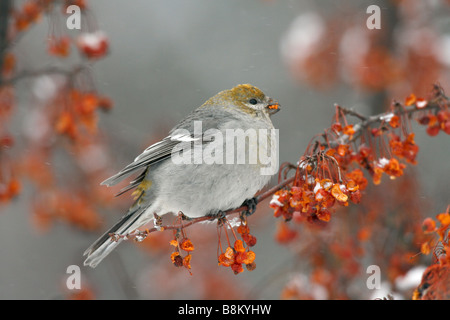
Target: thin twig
352,113
360,127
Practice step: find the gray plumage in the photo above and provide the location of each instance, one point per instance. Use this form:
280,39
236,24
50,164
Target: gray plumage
196,189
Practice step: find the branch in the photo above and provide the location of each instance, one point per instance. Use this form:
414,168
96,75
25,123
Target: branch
141,235
359,128
380,118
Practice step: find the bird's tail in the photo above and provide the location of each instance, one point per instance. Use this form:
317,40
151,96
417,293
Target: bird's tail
105,244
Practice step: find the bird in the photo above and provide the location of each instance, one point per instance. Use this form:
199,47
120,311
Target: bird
435,284
196,170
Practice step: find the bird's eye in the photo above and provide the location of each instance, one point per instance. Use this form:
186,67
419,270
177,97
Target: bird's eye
253,101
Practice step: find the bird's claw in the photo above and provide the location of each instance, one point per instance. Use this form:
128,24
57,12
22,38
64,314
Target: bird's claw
251,206
219,215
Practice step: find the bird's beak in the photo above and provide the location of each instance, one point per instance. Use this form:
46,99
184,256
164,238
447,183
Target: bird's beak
273,107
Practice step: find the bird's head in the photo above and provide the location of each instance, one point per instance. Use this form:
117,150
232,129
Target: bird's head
245,98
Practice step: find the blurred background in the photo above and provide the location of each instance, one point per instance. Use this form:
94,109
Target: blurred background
164,59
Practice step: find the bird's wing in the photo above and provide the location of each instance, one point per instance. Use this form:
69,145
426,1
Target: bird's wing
187,131
153,154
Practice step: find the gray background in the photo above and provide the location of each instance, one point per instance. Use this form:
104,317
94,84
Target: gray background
166,58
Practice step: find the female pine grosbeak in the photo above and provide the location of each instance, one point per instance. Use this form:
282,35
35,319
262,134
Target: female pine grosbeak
194,171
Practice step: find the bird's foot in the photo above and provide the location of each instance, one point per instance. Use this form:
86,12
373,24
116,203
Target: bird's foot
251,206
219,215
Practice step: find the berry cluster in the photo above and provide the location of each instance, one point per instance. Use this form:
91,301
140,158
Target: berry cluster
239,254
330,173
